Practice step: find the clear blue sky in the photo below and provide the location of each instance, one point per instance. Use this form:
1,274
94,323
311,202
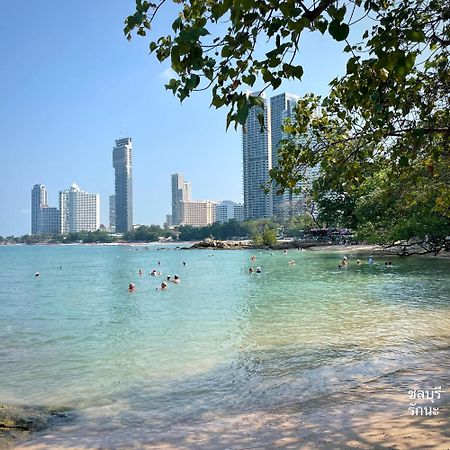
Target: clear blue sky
71,83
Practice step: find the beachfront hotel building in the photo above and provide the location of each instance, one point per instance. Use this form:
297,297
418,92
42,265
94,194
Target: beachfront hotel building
79,210
228,210
44,219
257,161
281,108
181,192
197,213
122,163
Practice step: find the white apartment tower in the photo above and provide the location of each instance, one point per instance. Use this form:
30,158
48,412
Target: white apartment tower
257,161
228,210
79,210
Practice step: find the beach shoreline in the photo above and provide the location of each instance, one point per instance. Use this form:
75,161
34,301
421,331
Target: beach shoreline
372,415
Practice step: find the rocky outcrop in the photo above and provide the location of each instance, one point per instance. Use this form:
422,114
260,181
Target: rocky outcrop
14,419
239,245
221,245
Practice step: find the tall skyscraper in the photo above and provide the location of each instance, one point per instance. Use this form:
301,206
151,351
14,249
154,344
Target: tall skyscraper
181,192
38,200
257,161
122,164
44,219
79,210
281,107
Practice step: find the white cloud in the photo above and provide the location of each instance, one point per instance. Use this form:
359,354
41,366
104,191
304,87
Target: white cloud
167,74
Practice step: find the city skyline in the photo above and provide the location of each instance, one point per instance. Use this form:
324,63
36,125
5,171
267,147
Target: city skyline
65,98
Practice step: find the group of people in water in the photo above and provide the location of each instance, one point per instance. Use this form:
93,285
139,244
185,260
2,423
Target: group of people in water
154,273
370,261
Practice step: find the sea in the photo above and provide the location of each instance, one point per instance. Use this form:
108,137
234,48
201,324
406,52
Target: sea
128,367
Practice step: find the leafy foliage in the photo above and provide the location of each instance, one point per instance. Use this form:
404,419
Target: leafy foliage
381,136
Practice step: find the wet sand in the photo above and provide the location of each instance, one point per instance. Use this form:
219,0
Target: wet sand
372,416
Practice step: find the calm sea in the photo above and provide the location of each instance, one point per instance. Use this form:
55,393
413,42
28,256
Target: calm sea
221,341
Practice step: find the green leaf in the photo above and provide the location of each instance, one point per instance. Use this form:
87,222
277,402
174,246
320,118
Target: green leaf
276,82
403,161
242,113
415,35
339,31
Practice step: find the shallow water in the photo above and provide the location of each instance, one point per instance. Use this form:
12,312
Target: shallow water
223,341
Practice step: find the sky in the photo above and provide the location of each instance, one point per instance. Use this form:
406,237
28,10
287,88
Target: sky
71,83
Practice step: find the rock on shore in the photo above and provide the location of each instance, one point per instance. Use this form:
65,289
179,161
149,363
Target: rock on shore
15,420
239,245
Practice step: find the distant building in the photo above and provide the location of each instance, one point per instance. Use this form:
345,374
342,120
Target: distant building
197,213
44,219
169,222
38,200
122,163
228,210
181,192
49,221
239,212
257,161
281,107
79,210
112,213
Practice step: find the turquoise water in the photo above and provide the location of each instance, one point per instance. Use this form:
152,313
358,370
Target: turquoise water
221,340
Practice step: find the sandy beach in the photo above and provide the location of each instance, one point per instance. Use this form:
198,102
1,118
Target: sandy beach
373,417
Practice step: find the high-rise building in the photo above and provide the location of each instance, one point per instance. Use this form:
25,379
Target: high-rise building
49,220
112,213
181,192
38,200
228,210
79,210
44,219
281,107
122,164
257,161
197,213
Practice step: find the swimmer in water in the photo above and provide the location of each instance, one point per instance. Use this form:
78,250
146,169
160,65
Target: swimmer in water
344,262
140,272
253,258
292,262
176,279
184,263
258,270
358,261
370,260
163,286
251,270
168,278
36,274
153,273
131,287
